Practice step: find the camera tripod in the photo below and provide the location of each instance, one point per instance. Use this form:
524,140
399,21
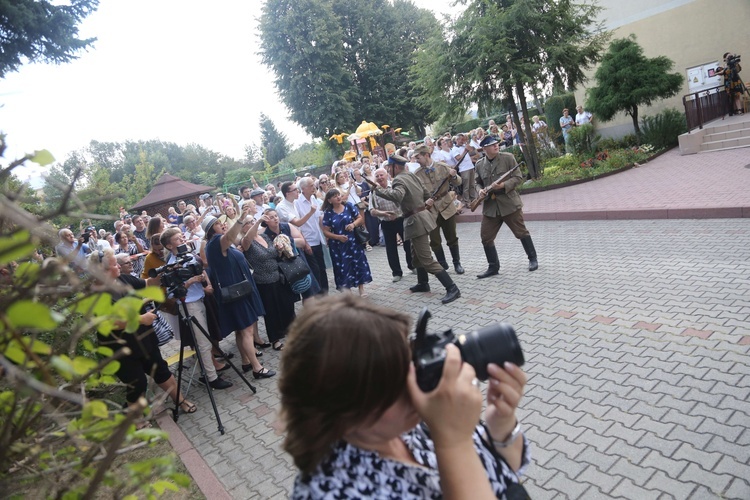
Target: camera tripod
190,321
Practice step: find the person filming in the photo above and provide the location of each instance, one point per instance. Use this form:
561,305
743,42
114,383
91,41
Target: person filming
359,426
732,82
171,239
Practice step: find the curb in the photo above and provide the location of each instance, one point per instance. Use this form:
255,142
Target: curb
201,473
643,213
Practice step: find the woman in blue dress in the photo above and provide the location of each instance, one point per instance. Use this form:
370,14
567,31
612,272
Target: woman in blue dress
350,266
228,266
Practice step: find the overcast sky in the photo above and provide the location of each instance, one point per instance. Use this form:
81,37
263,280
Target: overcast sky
176,70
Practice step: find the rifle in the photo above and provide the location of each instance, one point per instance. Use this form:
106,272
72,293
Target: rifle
434,194
502,178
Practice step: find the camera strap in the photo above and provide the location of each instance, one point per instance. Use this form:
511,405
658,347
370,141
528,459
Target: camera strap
514,491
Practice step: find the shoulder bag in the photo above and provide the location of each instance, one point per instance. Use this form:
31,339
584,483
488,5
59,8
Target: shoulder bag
236,291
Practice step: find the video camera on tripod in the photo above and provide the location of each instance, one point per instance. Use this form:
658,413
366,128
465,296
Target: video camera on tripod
173,276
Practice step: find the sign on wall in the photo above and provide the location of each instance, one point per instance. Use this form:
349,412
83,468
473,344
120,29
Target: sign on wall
704,77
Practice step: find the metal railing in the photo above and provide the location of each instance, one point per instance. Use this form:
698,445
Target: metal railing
704,106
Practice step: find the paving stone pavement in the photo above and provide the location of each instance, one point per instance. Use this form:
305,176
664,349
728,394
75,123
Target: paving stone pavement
636,335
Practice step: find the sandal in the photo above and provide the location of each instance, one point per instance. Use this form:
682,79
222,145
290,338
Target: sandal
264,345
187,406
278,346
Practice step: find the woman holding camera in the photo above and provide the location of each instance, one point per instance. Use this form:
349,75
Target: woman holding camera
144,358
227,266
358,426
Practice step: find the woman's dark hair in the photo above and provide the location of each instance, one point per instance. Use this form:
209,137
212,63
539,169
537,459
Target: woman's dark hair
327,201
154,226
344,363
119,236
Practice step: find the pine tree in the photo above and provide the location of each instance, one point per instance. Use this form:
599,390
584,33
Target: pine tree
627,79
272,141
39,31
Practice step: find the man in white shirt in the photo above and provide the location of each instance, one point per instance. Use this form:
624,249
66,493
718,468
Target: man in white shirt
583,117
286,209
442,152
462,152
208,207
308,203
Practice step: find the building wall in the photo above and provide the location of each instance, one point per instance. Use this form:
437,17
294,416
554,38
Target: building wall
689,32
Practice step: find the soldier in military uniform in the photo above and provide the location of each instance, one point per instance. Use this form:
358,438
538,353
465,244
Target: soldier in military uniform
415,201
502,205
433,175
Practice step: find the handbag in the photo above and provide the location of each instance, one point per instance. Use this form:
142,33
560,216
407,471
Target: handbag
161,327
361,234
293,270
235,292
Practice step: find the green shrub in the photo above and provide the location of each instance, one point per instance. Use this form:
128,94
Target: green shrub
582,139
663,129
629,141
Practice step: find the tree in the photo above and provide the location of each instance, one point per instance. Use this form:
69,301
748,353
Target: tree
38,31
500,49
274,142
61,431
340,62
627,79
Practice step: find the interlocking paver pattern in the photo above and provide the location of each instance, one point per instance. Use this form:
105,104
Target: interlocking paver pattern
636,407
636,334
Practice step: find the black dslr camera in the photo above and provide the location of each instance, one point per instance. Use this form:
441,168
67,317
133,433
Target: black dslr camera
492,344
173,276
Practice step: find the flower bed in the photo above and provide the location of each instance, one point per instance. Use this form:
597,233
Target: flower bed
573,169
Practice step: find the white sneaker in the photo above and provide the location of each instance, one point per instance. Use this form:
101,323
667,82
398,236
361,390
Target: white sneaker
368,247
396,279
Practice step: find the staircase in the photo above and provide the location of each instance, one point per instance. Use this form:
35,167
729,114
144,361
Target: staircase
731,132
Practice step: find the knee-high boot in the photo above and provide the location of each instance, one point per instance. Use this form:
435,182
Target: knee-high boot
456,259
423,284
528,245
440,256
493,261
451,290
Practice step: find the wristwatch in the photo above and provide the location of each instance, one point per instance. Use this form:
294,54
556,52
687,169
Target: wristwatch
511,437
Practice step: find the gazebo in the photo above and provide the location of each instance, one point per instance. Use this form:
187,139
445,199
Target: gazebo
167,191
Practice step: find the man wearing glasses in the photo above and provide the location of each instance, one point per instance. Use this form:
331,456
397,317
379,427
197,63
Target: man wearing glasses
286,209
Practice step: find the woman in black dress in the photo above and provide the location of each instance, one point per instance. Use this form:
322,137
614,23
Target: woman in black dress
278,299
228,266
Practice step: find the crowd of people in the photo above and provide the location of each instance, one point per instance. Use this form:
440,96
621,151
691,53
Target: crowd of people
328,222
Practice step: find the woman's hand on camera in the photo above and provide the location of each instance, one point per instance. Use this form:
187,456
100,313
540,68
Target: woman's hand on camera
506,386
451,410
147,318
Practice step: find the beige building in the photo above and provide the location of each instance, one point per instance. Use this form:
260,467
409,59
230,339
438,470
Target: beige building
691,33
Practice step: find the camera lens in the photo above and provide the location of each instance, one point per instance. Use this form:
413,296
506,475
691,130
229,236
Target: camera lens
496,343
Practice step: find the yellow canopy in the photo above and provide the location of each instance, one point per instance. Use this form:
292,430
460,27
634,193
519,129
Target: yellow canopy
365,129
